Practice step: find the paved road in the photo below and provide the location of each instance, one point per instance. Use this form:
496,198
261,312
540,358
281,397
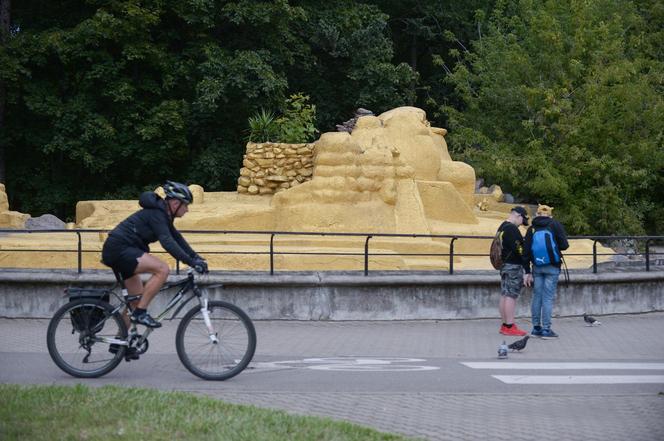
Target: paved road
435,380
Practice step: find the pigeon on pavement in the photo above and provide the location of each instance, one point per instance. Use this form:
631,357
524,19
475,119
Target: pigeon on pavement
590,320
519,344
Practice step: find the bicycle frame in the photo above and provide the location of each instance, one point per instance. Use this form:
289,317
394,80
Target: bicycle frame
187,285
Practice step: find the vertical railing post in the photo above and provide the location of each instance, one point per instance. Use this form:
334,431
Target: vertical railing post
647,254
366,256
177,267
595,257
272,254
452,255
80,253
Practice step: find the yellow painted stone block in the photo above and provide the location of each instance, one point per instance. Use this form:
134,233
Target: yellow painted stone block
4,203
13,219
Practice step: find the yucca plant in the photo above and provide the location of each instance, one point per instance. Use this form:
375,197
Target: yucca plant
263,126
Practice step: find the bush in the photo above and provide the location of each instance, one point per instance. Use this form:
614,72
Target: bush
295,125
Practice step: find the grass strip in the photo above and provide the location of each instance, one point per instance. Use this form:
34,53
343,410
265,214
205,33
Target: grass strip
112,412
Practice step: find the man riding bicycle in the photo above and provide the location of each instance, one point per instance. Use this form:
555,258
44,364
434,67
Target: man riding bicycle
127,251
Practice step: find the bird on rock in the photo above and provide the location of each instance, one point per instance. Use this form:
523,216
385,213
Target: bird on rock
519,344
590,320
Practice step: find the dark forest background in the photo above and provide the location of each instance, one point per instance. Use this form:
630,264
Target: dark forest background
560,102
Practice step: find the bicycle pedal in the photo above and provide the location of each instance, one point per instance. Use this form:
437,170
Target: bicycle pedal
131,354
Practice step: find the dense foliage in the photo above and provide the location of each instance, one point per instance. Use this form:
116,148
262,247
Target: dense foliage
105,97
563,105
556,101
296,125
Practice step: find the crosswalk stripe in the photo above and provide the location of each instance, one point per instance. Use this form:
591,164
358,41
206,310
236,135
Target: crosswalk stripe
579,379
562,365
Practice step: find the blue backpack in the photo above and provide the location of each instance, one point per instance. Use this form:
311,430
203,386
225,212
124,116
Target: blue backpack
544,248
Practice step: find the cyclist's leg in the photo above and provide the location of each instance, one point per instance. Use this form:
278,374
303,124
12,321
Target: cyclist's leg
134,286
148,263
123,260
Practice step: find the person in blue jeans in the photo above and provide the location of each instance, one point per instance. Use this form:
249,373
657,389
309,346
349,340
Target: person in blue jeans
545,240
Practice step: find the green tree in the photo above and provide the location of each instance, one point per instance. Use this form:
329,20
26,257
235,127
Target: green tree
349,61
107,97
562,105
5,20
424,32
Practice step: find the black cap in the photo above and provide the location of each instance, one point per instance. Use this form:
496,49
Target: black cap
522,211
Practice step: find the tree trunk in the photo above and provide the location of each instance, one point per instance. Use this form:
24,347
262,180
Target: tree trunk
5,8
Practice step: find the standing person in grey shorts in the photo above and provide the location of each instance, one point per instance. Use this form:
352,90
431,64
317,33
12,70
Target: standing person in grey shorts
511,274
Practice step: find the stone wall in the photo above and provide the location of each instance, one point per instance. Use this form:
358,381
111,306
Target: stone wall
329,296
271,167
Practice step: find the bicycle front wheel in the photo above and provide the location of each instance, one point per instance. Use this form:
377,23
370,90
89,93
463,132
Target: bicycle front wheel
234,347
76,335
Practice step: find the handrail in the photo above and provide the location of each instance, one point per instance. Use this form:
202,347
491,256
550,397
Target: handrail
80,254
366,255
452,255
368,236
595,257
272,254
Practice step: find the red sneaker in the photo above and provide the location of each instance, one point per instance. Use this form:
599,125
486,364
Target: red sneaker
513,331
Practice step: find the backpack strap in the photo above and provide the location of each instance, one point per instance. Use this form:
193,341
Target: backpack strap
501,230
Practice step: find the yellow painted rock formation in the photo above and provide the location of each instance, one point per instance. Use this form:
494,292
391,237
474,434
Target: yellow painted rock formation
391,174
8,218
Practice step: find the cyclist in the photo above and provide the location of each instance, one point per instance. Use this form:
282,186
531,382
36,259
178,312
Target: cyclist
127,252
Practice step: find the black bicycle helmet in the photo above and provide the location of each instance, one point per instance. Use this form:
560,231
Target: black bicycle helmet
175,190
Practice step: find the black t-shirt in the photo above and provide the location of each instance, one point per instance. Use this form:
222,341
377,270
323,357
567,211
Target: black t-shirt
513,251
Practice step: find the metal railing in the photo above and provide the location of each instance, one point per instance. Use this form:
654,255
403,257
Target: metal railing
648,240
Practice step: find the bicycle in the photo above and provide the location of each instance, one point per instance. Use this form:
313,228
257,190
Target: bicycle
88,336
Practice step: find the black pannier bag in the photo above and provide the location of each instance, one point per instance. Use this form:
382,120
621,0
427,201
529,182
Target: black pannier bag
88,317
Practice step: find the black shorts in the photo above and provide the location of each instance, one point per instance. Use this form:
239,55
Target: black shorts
121,257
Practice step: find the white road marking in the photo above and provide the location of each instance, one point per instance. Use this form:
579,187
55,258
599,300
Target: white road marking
349,364
563,365
373,368
579,379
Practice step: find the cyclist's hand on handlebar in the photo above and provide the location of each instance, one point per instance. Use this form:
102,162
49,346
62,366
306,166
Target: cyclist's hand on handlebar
200,265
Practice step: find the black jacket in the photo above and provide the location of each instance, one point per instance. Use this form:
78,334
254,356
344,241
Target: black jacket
557,229
152,224
513,251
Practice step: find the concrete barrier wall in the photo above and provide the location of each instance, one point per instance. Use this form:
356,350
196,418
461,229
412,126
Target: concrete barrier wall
380,296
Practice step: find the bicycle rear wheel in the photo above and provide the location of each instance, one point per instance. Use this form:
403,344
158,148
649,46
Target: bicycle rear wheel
226,358
73,338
